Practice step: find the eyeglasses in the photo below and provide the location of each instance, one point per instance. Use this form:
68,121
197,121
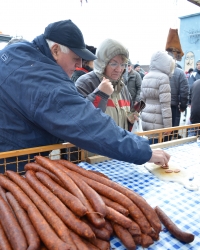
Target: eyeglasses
116,65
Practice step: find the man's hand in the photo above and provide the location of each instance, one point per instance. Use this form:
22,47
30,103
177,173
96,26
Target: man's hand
106,86
159,157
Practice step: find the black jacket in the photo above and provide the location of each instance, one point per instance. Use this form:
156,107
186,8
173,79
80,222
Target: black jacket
179,89
78,72
195,102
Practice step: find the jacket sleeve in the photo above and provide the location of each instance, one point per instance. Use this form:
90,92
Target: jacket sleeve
77,74
79,122
165,101
138,87
92,93
184,92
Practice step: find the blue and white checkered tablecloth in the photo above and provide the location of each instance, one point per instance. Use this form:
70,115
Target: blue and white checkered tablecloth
180,204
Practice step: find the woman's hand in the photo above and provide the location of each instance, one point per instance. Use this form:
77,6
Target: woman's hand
106,86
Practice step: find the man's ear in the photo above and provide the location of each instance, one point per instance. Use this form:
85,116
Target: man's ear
55,51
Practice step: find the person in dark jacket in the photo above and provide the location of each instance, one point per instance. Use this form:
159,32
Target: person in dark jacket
40,105
87,66
134,83
193,77
138,69
179,95
195,103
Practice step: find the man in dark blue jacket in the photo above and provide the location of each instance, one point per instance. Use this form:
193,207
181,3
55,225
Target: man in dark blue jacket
39,104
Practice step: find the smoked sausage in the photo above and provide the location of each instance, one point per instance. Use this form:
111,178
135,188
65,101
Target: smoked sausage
56,223
70,185
125,237
44,230
25,223
172,227
141,203
67,198
11,227
58,207
5,245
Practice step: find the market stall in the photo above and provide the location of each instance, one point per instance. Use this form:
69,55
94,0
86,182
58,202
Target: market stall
179,200
180,204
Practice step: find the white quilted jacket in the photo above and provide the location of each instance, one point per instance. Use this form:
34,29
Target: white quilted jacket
156,92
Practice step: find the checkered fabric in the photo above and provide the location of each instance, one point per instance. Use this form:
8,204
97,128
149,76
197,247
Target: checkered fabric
180,204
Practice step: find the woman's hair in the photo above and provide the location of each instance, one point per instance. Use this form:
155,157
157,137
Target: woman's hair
63,48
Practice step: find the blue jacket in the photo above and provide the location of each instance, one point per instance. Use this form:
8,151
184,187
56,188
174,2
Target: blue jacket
39,105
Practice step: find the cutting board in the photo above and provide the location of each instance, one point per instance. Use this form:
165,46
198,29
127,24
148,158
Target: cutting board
183,177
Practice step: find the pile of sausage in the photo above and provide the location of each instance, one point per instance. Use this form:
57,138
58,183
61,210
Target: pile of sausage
60,206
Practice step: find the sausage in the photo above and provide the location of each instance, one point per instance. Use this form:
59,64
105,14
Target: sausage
72,187
115,206
109,227
172,227
67,198
56,223
93,197
125,237
44,230
11,227
58,207
101,233
101,244
118,218
134,230
146,240
78,241
137,239
90,245
37,168
5,245
147,210
25,223
3,193
120,198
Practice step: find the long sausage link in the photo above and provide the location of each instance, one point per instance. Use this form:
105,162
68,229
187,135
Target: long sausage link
11,227
73,188
44,230
66,197
5,245
58,207
173,228
138,200
56,223
25,223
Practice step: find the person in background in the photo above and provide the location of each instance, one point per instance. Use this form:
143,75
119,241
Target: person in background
179,95
138,69
104,86
40,105
195,75
195,105
87,66
156,93
134,82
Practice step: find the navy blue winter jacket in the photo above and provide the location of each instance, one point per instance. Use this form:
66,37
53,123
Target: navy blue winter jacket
39,105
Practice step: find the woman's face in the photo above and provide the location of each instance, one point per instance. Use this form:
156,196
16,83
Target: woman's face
115,68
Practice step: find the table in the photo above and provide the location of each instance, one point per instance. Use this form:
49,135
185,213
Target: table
180,204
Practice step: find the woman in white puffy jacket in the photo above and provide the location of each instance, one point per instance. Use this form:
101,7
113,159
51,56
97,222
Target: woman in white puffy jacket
156,92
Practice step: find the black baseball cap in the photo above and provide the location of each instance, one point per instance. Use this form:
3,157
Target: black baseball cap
68,34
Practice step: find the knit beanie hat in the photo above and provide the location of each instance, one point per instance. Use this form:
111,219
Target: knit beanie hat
136,65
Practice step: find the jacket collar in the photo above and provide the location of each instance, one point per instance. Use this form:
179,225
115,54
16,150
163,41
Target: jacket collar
42,45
